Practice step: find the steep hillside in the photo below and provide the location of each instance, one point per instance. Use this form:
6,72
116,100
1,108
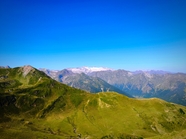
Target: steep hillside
33,105
168,86
27,90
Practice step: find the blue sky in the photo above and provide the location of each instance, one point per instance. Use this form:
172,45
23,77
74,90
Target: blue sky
119,34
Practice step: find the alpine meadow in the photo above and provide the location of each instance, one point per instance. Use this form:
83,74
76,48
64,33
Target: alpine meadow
35,106
92,69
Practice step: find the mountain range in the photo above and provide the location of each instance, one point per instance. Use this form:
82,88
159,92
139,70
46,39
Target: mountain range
33,105
141,84
87,70
168,86
78,79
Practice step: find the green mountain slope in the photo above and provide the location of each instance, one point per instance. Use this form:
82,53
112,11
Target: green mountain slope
28,90
33,105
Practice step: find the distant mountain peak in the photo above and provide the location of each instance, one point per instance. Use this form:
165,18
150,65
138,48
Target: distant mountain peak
87,70
151,71
6,67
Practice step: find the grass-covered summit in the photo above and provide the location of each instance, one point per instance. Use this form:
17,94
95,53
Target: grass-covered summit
32,105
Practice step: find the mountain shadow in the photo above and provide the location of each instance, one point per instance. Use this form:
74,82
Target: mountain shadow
33,105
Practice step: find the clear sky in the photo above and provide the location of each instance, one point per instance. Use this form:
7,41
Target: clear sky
118,34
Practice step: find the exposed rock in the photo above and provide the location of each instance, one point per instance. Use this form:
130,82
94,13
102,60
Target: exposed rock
26,69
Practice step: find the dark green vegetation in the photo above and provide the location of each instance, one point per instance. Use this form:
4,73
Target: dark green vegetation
32,105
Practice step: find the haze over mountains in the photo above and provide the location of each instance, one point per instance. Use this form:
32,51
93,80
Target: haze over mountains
78,78
142,84
35,106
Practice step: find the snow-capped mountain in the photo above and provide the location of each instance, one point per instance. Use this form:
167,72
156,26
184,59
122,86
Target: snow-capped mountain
87,70
152,83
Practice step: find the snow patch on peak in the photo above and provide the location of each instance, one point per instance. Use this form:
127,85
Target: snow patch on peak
87,70
130,73
149,75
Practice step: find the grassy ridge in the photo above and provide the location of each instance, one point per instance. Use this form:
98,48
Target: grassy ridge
33,105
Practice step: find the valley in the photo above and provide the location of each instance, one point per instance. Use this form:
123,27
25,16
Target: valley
140,84
35,106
